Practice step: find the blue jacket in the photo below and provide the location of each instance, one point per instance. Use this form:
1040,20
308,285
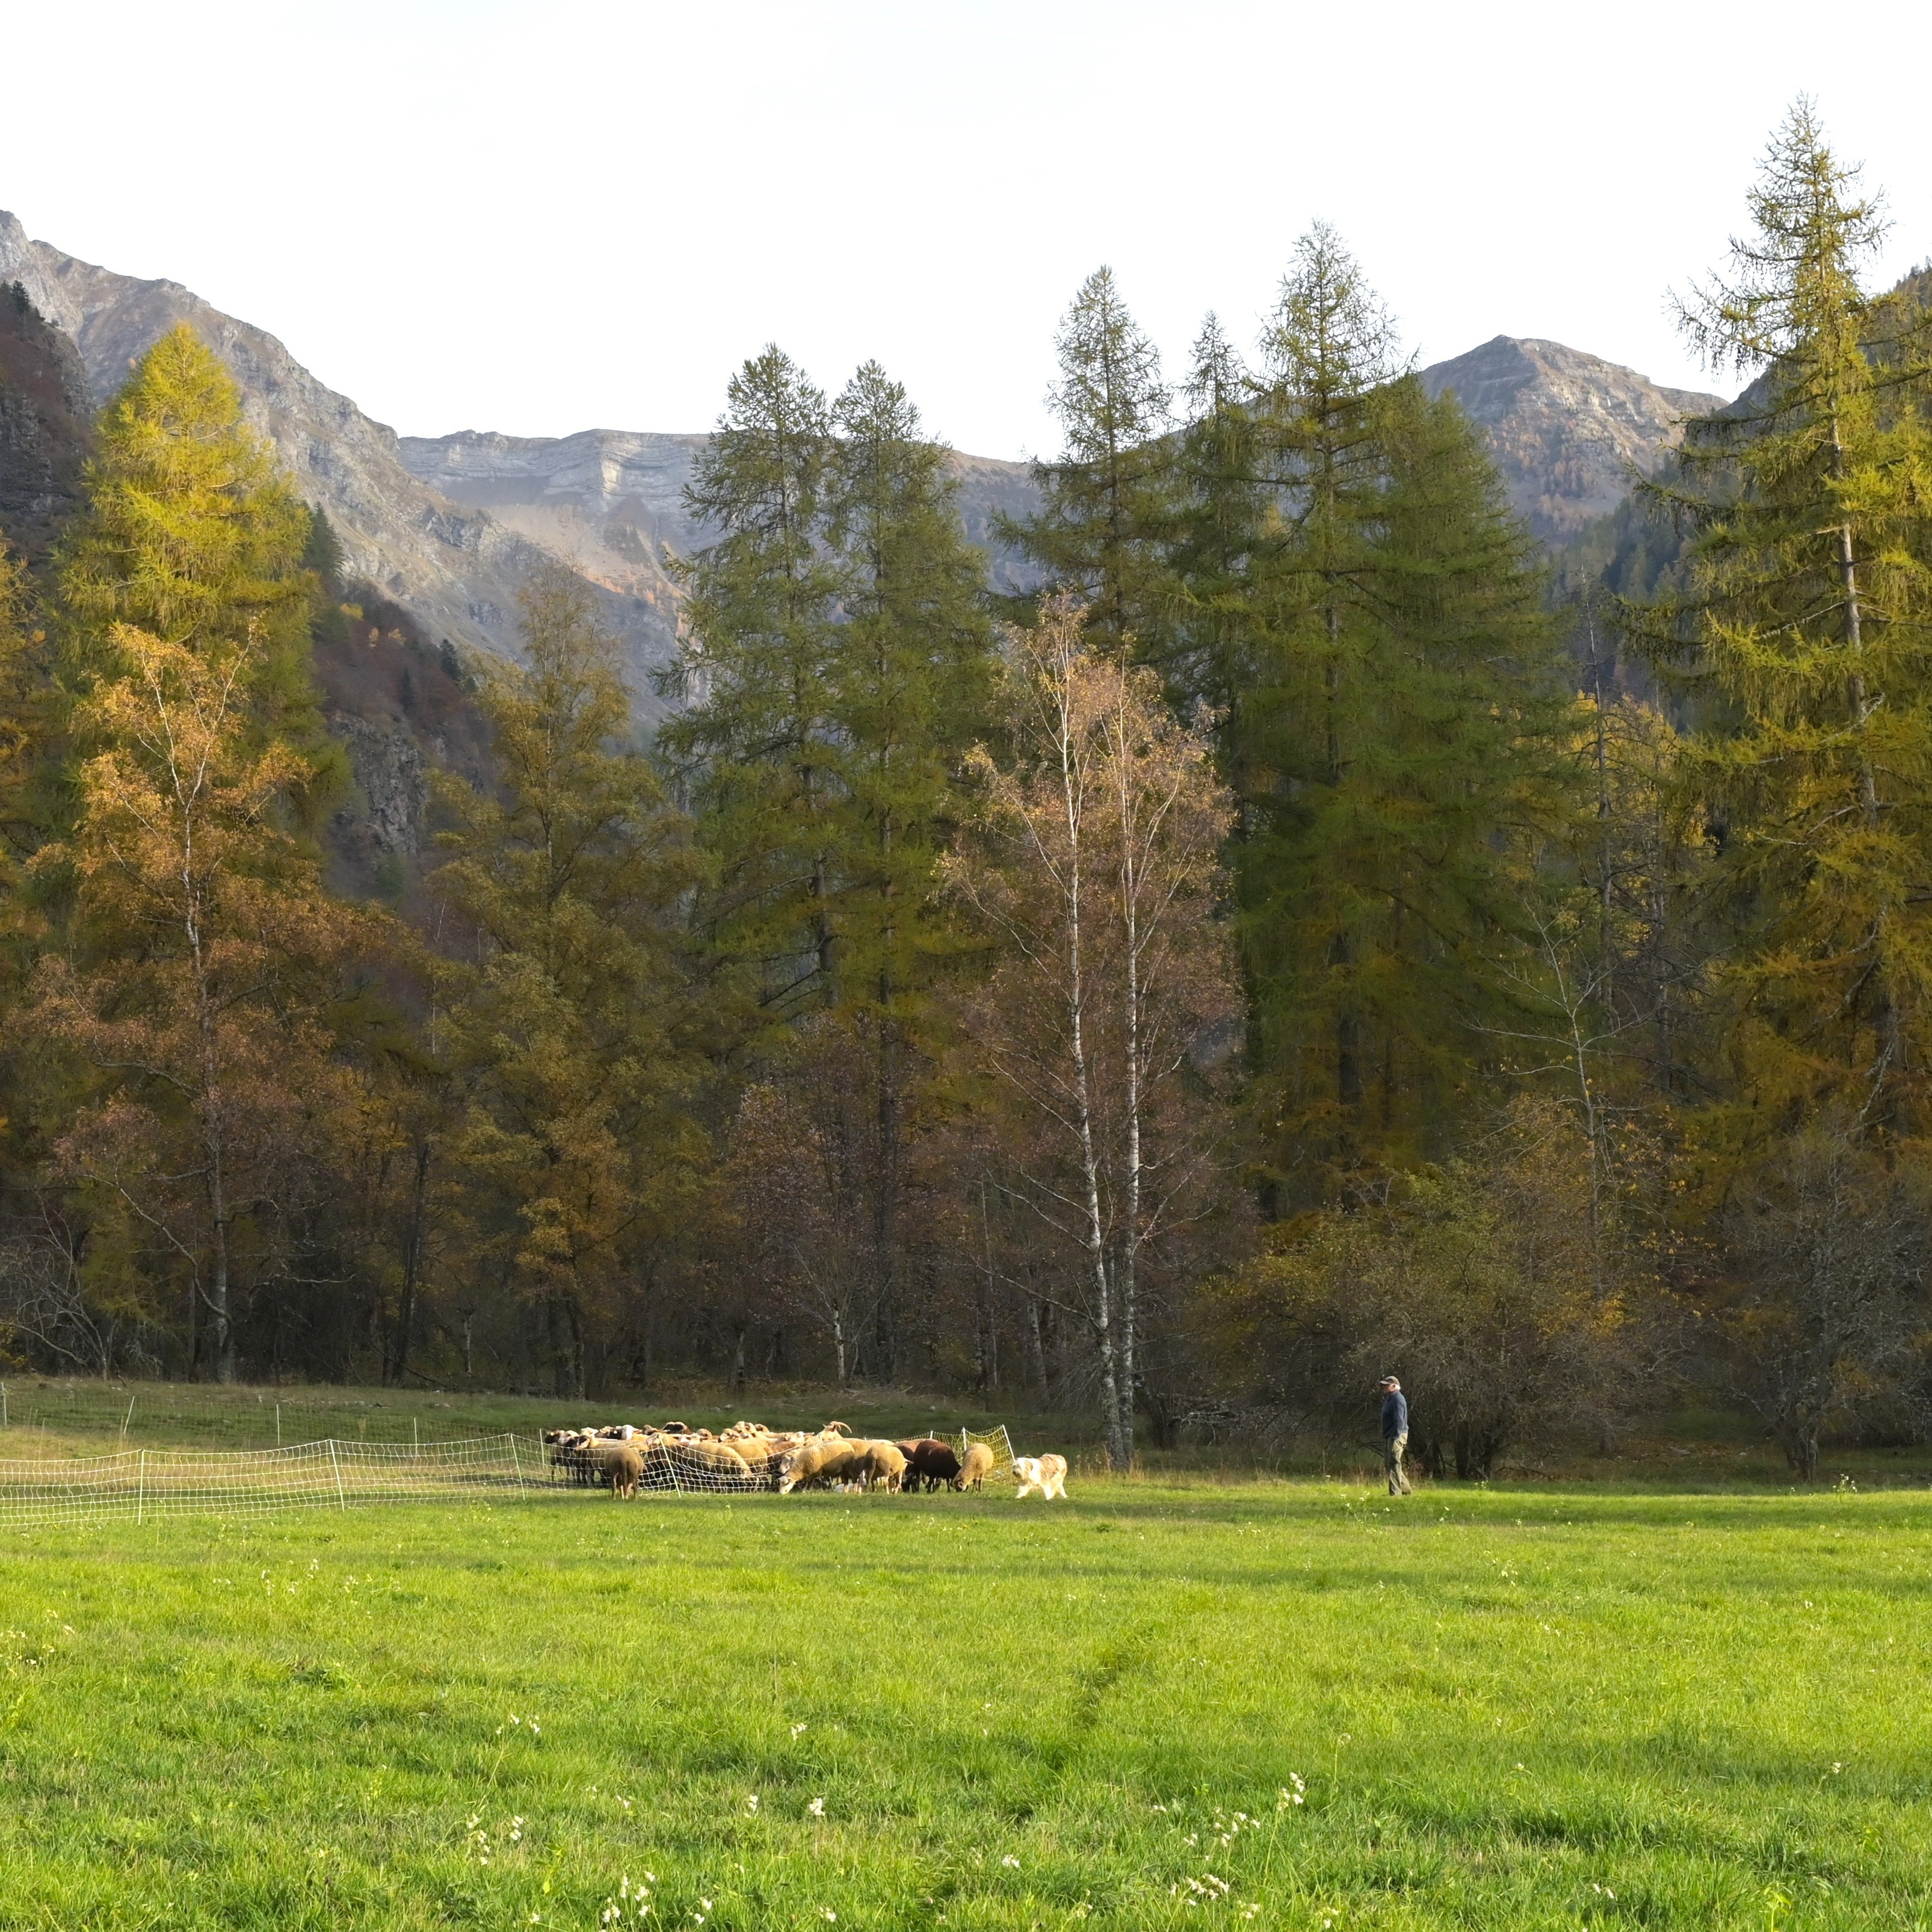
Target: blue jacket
1395,1415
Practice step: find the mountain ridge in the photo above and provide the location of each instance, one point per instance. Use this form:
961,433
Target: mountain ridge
457,569
450,528
1568,430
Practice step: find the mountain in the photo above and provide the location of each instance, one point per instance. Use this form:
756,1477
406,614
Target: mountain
44,417
611,500
456,569
1566,430
445,529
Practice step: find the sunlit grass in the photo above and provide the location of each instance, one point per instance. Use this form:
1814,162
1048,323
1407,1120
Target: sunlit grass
1497,1709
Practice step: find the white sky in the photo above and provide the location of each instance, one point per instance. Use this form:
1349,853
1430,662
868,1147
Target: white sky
540,217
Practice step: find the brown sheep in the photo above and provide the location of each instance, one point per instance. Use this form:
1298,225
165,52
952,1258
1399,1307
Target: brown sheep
933,1463
626,1469
817,1464
882,1467
976,1469
715,1459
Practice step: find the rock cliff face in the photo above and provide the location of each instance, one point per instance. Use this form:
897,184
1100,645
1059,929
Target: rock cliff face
44,415
611,500
457,568
1566,430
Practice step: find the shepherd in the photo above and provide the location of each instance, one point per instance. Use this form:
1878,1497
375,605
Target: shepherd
1395,1434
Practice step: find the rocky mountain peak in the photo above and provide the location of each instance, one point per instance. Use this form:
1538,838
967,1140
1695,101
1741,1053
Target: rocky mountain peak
1567,430
44,418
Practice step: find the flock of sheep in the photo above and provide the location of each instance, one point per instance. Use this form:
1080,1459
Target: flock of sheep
748,1456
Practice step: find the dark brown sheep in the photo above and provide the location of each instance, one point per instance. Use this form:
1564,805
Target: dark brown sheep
930,1462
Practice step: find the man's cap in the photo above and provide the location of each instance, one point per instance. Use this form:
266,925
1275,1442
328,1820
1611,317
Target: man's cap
1389,1381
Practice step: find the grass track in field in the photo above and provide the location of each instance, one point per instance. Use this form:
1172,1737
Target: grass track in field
1503,1708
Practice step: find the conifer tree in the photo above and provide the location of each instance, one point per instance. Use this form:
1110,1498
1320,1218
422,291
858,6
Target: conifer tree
1807,632
189,535
569,1020
23,719
204,959
1402,708
1221,501
910,684
909,677
757,738
1107,498
24,735
839,660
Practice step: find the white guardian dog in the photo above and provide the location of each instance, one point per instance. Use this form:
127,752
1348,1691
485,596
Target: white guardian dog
1045,1474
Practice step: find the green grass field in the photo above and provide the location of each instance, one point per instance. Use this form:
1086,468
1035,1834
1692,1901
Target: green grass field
1501,1708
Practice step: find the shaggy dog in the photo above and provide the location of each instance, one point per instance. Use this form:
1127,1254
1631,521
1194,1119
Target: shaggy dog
1046,1473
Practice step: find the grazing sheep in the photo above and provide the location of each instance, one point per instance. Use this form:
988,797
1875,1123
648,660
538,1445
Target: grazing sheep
976,1469
716,1460
933,1463
626,1469
575,1451
884,1467
817,1465
1046,1473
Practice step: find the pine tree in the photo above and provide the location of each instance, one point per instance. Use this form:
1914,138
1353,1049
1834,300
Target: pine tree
1805,641
1222,500
1108,498
1403,707
756,739
26,731
24,722
840,660
190,536
569,1021
911,685
205,959
909,679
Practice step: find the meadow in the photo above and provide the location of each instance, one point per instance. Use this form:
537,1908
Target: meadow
1172,1701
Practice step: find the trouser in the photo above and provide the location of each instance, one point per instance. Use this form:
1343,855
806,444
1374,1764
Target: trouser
1392,1448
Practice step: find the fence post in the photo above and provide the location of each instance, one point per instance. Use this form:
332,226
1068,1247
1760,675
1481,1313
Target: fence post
278,1425
141,1488
335,1463
516,1462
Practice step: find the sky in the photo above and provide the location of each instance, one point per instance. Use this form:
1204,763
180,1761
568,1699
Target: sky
543,218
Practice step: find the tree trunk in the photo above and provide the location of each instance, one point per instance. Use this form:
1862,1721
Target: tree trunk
399,1359
1036,1341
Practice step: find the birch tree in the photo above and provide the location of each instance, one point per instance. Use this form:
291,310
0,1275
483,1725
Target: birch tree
1093,863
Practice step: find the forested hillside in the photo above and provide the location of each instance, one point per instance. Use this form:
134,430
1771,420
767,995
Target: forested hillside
1258,933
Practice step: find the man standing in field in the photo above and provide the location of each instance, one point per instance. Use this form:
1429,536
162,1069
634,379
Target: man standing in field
1395,1434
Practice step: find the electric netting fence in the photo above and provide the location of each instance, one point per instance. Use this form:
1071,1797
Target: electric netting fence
146,1485
143,1485
995,1439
